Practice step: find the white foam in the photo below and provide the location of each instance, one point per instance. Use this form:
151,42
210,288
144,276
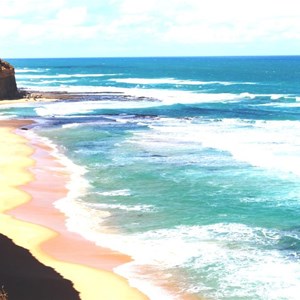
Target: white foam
77,185
68,108
277,96
171,81
58,76
26,70
248,95
231,254
6,117
43,82
166,96
280,104
86,219
141,207
124,192
273,145
71,125
219,248
147,284
61,109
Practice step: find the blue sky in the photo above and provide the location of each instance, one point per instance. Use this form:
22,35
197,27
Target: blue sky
105,28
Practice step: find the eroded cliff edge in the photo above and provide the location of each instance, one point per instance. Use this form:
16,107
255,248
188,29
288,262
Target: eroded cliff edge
8,85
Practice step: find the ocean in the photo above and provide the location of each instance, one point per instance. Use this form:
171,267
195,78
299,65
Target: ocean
188,164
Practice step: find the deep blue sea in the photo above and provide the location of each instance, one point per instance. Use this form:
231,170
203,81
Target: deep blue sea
190,165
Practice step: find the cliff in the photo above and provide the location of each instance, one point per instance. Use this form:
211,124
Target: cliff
8,85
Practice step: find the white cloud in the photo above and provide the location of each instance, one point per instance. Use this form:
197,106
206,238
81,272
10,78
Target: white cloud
242,31
34,22
28,8
213,21
31,33
71,16
231,21
8,27
138,6
173,22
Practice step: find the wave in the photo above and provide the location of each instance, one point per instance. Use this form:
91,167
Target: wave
76,211
124,192
7,117
71,125
124,98
60,109
224,255
166,96
26,70
67,109
77,185
278,104
271,145
31,76
44,82
248,252
174,81
142,207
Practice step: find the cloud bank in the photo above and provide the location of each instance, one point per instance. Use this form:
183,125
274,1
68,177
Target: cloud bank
135,24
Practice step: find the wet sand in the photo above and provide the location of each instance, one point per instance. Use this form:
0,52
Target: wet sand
32,179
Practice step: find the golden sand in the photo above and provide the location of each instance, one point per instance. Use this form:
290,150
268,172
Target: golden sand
92,283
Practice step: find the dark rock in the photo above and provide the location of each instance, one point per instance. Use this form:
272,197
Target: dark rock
8,85
22,276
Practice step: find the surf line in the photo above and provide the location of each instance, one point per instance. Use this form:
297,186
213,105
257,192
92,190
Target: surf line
32,179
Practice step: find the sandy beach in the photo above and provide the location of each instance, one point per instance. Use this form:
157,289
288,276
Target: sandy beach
185,166
31,181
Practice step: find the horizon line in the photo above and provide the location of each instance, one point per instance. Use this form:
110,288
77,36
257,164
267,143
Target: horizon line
158,56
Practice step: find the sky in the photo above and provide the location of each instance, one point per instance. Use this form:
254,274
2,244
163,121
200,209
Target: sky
126,28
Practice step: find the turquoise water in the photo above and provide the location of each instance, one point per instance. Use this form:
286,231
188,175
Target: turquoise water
191,166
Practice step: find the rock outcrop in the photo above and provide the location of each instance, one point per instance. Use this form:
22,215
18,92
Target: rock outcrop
8,85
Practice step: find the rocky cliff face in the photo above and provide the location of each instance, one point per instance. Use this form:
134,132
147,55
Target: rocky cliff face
8,86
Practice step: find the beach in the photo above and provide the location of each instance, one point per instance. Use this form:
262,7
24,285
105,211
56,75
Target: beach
31,181
158,176
156,148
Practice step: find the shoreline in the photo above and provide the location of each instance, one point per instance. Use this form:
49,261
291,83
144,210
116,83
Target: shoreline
44,233
108,259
